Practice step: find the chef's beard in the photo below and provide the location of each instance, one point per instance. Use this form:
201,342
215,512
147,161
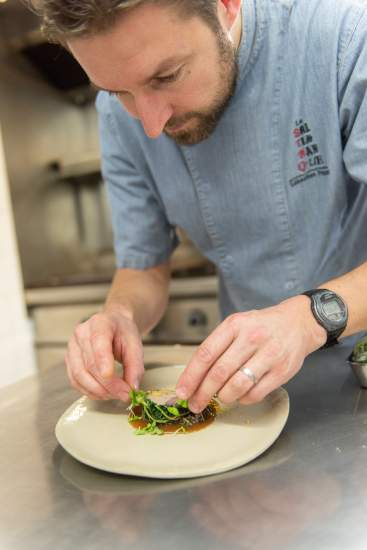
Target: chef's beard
206,121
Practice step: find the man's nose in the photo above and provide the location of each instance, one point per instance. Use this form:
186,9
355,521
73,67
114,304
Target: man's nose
153,111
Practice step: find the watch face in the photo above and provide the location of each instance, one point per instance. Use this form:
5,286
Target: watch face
332,309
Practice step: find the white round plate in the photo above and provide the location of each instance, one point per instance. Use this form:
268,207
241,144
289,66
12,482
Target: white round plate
97,433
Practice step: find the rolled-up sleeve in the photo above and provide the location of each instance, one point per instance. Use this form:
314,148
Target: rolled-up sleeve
143,237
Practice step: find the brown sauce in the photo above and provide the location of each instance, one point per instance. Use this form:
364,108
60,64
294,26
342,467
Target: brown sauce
173,427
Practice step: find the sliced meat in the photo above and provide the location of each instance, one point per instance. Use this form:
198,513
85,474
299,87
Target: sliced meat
166,396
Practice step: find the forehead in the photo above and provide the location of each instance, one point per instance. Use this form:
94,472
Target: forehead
137,44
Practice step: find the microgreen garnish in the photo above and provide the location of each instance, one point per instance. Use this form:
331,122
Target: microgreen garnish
155,414
360,351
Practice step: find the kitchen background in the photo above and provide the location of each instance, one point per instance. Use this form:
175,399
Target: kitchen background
56,246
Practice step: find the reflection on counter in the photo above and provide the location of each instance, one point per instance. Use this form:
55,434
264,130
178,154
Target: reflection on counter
243,508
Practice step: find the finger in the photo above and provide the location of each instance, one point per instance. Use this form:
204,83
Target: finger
79,378
73,382
270,382
203,359
100,335
99,341
85,392
221,372
271,357
114,386
83,339
240,384
132,357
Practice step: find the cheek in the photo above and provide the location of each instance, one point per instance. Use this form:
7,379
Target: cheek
205,77
196,92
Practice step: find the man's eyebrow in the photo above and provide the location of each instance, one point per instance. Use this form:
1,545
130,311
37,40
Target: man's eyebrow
163,67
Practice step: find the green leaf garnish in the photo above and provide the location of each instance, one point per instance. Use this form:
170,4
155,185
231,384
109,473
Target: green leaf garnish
360,351
183,403
174,411
155,414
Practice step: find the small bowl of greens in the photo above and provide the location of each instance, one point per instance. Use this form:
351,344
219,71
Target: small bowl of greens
358,361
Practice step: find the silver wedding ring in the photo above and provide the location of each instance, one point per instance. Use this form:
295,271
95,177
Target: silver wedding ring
248,372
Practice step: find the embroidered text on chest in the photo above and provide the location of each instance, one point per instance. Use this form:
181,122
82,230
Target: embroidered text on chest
310,162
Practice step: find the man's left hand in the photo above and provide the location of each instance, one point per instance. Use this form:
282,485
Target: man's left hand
270,343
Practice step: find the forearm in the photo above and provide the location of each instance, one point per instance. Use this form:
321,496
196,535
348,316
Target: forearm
352,287
141,295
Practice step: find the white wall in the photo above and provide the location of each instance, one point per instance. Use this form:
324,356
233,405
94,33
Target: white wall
17,358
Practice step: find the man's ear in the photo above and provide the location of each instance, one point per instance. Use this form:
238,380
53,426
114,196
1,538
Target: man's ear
228,11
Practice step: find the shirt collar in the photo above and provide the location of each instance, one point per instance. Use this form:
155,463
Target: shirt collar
246,46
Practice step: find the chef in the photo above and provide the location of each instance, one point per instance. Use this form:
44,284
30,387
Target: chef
245,124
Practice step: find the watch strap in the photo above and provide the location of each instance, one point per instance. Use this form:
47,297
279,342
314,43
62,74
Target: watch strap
332,335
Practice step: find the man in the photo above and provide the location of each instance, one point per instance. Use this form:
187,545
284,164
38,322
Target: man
245,123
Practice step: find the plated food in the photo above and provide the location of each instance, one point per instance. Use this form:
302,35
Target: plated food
99,434
157,412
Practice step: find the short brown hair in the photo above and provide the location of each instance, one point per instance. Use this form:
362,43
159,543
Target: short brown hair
65,19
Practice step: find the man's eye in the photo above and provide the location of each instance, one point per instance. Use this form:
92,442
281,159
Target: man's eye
168,78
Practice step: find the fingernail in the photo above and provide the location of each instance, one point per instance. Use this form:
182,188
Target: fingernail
136,384
106,371
181,392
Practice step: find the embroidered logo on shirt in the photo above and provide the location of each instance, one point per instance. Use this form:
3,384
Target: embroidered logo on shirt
310,162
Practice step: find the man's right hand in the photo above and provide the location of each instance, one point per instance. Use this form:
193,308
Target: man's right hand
93,349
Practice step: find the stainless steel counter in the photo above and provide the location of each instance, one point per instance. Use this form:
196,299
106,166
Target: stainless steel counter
306,492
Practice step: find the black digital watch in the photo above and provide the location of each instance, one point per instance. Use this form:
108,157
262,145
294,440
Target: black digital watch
330,311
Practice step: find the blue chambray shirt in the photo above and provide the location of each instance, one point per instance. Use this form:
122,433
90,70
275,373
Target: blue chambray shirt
277,196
